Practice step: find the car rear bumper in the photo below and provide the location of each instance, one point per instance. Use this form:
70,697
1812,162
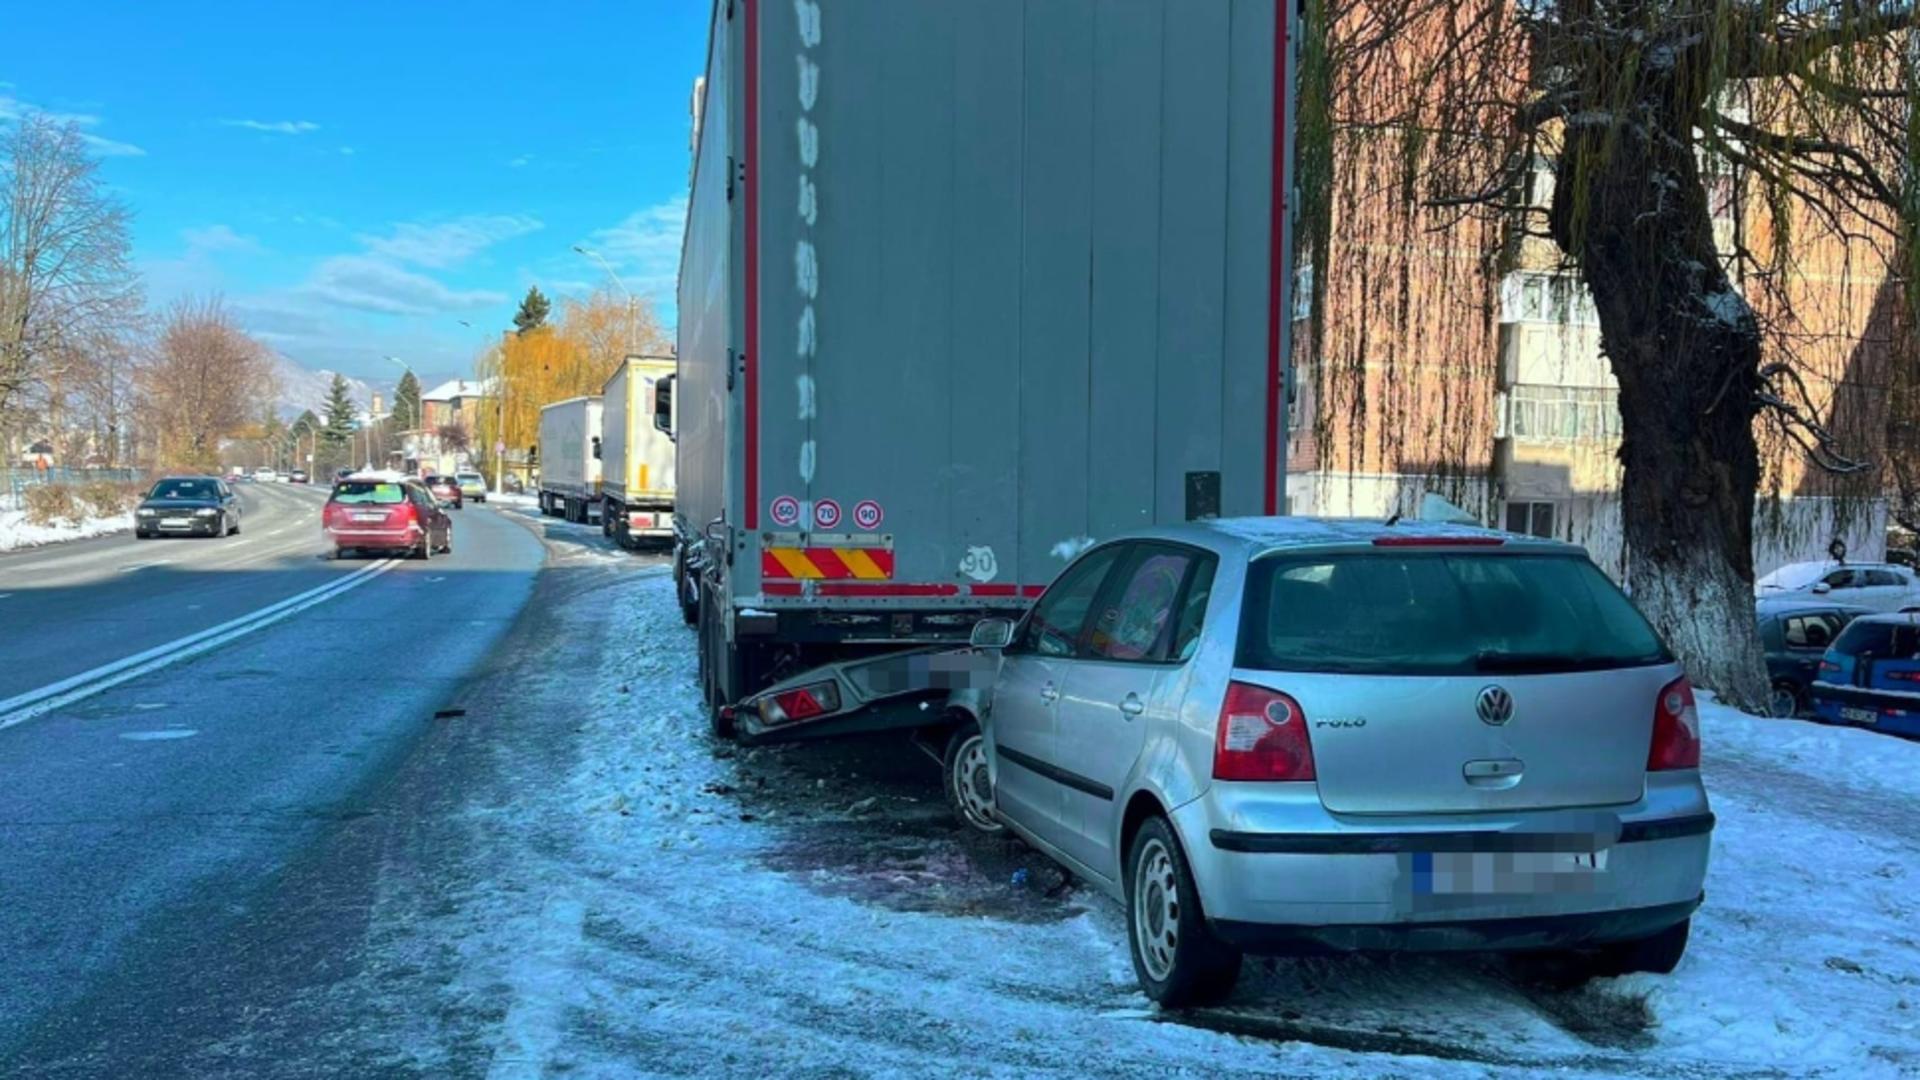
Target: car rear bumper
1522,932
1898,713
374,538
1267,857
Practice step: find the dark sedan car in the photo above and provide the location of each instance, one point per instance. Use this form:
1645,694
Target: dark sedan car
188,506
1795,635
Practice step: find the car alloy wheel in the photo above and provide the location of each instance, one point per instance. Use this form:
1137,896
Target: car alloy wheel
969,784
1783,702
1156,910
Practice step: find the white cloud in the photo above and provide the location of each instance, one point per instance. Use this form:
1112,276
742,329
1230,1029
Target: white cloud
12,108
645,247
348,151
368,283
521,161
449,242
275,127
216,238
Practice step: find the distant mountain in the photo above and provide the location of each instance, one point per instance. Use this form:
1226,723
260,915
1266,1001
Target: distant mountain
302,388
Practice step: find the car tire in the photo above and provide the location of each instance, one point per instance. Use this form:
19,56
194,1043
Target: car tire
685,589
969,792
142,534
1786,701
1176,957
1658,954
424,550
233,527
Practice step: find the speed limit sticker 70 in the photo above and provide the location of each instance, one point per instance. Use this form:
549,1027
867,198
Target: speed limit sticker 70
826,514
867,514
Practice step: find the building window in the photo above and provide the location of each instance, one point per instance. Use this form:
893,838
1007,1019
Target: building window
1564,414
1530,518
1538,297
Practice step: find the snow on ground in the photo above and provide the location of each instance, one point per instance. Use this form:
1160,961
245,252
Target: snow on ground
17,532
678,907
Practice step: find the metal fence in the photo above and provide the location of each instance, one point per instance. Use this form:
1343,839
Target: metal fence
15,480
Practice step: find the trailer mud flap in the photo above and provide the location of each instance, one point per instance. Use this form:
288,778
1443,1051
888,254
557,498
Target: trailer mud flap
895,691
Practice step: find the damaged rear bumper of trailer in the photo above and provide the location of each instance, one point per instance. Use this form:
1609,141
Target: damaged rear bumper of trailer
896,691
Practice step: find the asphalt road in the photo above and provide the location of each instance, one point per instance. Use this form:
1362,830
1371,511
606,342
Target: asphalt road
136,821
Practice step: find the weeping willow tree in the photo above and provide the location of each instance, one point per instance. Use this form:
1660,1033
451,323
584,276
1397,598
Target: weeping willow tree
1697,163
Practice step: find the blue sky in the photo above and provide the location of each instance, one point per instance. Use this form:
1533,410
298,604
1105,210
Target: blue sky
355,178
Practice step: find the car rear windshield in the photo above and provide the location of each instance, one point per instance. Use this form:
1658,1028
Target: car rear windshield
1883,640
183,489
1431,613
470,478
369,491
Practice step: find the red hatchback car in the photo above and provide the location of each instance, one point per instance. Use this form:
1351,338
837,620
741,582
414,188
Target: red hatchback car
446,489
371,513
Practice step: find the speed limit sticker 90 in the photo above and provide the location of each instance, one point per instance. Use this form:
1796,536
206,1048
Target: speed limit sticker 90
867,514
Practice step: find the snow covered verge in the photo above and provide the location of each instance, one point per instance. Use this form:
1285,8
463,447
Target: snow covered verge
17,532
677,906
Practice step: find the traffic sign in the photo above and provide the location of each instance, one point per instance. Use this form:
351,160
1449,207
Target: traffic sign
826,514
867,514
785,511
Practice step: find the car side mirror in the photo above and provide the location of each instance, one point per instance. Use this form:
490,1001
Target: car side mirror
991,634
1821,588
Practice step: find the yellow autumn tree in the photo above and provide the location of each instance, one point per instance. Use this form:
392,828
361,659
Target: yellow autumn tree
571,357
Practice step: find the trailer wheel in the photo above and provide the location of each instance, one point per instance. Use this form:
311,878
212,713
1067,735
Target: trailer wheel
969,791
685,588
713,664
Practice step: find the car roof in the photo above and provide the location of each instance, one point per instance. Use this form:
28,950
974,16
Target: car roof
1259,535
1896,618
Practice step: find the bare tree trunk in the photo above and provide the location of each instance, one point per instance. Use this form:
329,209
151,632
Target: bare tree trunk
1686,350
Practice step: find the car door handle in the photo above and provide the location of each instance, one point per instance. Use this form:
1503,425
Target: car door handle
1049,693
1132,706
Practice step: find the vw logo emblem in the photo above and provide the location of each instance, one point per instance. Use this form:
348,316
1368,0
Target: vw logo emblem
1495,705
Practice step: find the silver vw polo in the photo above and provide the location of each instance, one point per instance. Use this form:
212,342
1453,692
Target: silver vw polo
1285,735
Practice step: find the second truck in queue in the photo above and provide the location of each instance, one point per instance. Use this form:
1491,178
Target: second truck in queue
636,451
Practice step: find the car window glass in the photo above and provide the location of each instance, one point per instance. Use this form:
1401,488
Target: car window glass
1053,628
1809,631
369,491
1881,578
1193,610
1440,614
1136,618
1841,579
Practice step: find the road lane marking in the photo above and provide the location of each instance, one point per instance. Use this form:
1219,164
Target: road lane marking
159,736
24,707
131,567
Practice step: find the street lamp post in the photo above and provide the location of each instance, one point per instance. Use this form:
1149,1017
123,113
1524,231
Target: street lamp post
633,302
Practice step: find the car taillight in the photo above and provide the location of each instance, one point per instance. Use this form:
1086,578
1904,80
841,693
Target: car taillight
801,703
1262,736
1828,667
1676,729
1904,676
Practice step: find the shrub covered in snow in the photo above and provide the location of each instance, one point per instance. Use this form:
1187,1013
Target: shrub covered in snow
51,504
105,499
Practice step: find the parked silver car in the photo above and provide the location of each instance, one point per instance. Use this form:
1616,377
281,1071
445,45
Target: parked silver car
1280,735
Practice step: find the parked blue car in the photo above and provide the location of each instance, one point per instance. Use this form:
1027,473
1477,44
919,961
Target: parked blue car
1796,634
1871,675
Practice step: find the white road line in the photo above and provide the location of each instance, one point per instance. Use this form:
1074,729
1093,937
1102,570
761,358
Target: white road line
23,707
144,565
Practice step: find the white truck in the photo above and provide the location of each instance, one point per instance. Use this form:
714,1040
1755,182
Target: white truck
570,458
636,451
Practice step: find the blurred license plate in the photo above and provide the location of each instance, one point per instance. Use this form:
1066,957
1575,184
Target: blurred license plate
174,523
1858,716
1452,873
369,517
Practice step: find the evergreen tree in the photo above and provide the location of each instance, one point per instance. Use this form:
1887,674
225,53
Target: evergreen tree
533,311
407,411
340,414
